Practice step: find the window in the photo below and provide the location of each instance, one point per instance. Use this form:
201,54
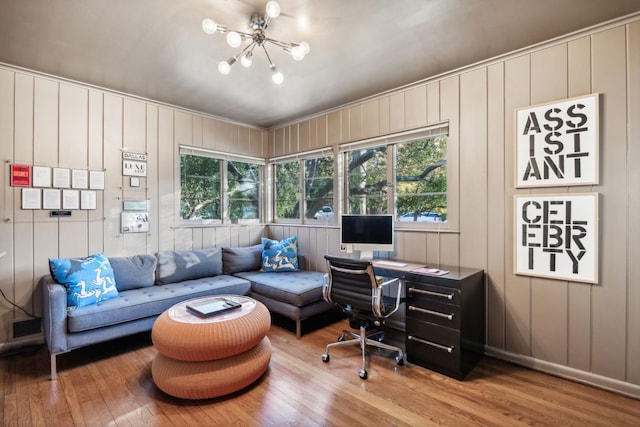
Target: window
200,188
244,190
203,176
367,181
405,175
287,190
304,187
421,180
318,188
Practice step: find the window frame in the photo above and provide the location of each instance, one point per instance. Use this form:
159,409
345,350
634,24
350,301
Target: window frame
224,158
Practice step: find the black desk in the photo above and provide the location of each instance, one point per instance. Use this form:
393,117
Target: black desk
444,316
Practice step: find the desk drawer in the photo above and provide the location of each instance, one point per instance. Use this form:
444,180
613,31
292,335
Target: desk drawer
434,347
425,292
434,312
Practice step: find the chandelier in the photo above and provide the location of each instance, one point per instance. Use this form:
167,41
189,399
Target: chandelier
257,38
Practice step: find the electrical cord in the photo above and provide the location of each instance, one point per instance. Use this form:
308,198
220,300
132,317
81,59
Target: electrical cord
17,306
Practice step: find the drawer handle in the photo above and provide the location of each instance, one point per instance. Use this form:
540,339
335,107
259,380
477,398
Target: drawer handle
434,313
432,293
446,348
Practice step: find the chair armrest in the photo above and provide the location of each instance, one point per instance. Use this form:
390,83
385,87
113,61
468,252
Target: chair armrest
54,314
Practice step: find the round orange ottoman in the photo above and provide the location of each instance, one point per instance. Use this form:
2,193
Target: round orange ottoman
205,357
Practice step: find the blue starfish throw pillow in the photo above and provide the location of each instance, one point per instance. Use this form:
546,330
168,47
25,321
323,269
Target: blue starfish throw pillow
280,255
88,280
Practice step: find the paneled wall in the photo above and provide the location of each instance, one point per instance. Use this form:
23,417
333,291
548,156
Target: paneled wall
587,332
49,122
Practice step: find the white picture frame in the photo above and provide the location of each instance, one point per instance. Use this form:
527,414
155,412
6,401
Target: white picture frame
557,143
556,236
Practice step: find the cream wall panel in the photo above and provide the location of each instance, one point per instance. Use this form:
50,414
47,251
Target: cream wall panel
45,126
433,102
166,203
633,281
414,247
609,298
22,292
415,107
243,140
134,126
208,133
223,136
7,108
313,133
473,167
371,119
517,288
183,128
579,310
21,146
7,227
549,297
74,122
113,124
334,128
153,174
45,246
73,239
294,140
396,112
94,131
277,148
183,239
256,145
433,248
197,130
344,120
355,123
323,131
498,206
450,108
384,114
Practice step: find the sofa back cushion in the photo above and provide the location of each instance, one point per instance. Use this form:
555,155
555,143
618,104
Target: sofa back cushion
133,272
236,260
177,266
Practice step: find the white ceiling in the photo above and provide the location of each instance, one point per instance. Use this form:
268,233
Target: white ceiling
156,49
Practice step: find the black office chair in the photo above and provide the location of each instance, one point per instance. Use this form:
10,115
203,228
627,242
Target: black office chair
354,287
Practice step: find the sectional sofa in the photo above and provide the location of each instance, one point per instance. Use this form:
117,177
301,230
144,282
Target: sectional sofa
147,285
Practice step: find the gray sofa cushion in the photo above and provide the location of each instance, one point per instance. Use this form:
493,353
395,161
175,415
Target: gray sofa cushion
151,301
177,266
134,272
235,260
297,288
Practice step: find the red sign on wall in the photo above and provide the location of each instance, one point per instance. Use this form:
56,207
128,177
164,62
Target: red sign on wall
20,175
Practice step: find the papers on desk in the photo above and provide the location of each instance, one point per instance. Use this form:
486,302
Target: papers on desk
431,271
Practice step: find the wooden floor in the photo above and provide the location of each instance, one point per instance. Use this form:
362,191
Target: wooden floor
111,384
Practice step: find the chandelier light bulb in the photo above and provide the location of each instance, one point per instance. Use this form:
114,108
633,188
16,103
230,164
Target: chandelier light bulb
224,68
234,39
273,9
305,48
246,60
297,53
209,26
276,75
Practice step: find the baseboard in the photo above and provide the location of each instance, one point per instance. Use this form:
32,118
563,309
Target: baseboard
605,383
22,342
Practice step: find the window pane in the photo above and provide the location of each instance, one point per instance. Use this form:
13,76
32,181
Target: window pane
421,180
244,187
199,187
318,186
367,181
287,190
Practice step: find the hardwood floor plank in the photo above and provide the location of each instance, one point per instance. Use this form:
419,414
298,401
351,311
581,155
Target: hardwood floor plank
111,384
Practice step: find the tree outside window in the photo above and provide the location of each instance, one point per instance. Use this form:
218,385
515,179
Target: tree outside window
318,189
421,180
287,190
200,190
244,187
367,181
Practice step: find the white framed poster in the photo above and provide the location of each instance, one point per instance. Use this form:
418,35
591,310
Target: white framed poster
135,222
557,143
96,180
70,199
41,176
556,236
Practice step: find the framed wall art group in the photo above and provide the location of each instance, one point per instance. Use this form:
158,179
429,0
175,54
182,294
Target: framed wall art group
556,235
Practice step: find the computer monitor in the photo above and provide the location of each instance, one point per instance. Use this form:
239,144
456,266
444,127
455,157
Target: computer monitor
366,233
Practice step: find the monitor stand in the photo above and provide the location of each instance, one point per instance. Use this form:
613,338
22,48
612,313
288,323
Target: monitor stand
366,254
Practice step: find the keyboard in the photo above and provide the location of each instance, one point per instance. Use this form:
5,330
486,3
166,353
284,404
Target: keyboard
392,263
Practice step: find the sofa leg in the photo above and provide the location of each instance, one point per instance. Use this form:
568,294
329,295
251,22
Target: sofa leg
298,329
54,373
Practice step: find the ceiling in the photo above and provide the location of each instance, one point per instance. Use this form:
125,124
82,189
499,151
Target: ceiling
156,49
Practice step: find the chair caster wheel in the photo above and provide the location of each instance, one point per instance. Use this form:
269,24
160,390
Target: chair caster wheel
363,374
399,360
325,358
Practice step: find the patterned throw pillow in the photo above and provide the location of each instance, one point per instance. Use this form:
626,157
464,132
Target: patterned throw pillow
280,255
88,280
